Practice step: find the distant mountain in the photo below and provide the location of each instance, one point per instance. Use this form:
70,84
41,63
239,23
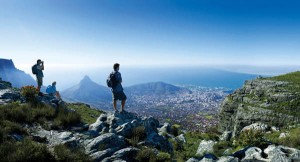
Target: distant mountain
87,91
199,76
155,88
18,78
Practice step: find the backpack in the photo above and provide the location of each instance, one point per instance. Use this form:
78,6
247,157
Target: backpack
34,69
111,81
49,89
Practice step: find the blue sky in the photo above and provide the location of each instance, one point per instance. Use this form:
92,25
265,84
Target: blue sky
97,33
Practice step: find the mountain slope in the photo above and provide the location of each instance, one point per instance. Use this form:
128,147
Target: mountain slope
87,91
18,78
274,101
155,88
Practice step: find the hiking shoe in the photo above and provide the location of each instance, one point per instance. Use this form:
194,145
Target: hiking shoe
116,111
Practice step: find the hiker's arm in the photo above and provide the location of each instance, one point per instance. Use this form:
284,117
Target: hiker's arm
120,79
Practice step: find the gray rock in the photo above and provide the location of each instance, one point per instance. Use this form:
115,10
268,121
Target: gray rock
283,135
125,154
10,95
253,153
126,129
207,160
100,155
165,129
55,138
281,153
228,159
257,127
226,136
97,126
274,129
205,147
192,160
181,138
158,142
105,141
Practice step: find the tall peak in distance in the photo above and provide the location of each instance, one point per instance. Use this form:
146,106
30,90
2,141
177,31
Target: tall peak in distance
86,79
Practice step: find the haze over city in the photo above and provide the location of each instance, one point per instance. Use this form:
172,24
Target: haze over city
80,37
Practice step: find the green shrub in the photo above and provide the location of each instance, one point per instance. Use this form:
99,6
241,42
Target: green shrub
24,151
175,130
11,127
163,157
292,140
146,155
220,147
66,118
88,115
138,134
64,153
30,93
251,138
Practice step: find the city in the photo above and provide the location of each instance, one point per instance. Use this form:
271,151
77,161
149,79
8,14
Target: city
193,111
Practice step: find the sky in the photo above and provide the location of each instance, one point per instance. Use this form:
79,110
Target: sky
237,35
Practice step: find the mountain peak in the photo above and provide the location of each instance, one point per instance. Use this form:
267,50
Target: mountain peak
86,79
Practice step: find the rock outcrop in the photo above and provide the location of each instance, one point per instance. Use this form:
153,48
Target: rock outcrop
259,101
107,138
271,154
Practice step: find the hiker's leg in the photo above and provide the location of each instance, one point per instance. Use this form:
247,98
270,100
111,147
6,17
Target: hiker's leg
40,83
115,104
123,104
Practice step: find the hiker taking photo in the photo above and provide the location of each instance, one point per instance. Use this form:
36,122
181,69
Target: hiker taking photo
114,81
37,70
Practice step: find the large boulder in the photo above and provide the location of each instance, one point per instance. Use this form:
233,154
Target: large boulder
257,127
253,153
226,136
9,95
125,154
54,138
228,159
205,147
281,153
159,142
105,141
165,129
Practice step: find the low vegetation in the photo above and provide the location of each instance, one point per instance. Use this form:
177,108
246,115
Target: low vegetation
291,140
184,151
15,143
149,155
88,115
64,153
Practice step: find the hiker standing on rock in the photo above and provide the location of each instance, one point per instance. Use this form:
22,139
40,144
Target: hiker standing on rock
37,69
114,82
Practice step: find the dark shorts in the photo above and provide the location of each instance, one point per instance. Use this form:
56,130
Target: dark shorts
39,81
119,96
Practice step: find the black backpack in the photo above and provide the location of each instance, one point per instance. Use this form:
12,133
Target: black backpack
34,69
111,80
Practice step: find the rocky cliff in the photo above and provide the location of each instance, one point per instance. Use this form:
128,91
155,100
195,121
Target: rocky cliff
272,101
18,78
